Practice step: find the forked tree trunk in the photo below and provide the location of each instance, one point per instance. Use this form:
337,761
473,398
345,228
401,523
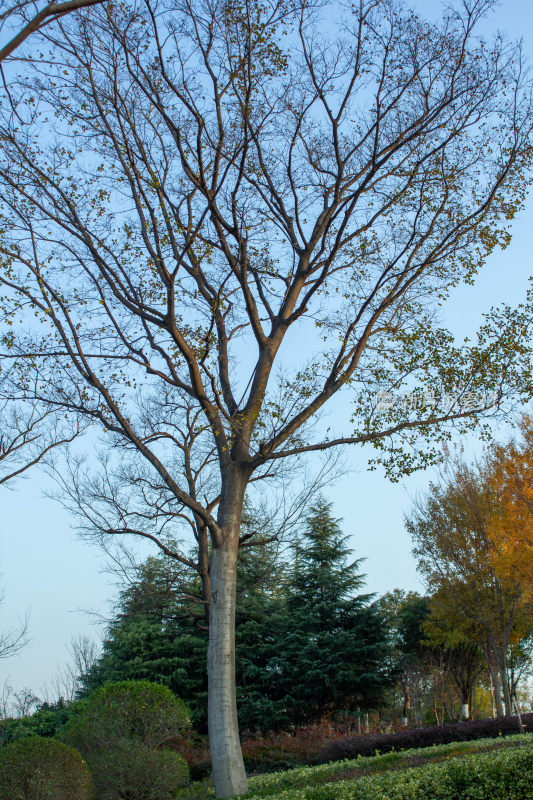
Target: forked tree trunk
224,743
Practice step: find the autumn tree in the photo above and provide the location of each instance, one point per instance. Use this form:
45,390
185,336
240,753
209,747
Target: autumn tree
447,630
509,472
459,556
235,204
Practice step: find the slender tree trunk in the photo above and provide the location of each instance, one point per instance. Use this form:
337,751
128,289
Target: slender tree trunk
466,692
518,715
203,560
224,743
502,665
497,689
406,703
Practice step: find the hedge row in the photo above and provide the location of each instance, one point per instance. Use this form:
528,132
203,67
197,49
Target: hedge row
422,737
503,775
302,777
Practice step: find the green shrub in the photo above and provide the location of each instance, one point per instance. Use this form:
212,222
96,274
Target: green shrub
136,772
122,733
36,768
140,711
502,775
49,720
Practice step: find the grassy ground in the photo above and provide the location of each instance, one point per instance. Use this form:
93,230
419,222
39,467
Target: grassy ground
354,778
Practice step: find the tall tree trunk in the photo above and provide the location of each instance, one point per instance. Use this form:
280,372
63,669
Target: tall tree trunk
502,665
496,683
224,743
406,704
466,693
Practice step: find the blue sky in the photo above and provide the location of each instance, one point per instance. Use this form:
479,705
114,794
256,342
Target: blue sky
47,570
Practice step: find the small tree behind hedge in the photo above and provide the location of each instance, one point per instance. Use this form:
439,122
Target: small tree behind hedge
43,769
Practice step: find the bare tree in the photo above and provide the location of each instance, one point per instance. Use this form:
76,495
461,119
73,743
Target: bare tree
13,640
19,703
29,18
28,433
119,497
230,206
83,653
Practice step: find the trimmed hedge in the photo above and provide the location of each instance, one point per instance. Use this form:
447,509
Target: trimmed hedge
503,775
355,769
36,768
421,737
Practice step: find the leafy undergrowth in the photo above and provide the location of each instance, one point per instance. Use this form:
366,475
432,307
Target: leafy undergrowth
502,775
356,778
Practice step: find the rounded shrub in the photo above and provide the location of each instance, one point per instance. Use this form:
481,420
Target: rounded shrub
122,733
140,711
136,772
36,768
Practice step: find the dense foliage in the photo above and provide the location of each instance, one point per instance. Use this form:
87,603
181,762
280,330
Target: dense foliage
153,637
122,733
49,720
471,532
327,648
36,768
307,641
503,774
136,772
274,783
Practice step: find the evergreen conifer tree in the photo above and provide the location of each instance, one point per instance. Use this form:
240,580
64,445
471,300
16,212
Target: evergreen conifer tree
154,637
333,651
306,640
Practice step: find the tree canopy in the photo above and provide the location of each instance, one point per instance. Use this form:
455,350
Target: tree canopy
190,193
307,640
456,532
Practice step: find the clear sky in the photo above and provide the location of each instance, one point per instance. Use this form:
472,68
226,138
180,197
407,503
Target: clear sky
47,570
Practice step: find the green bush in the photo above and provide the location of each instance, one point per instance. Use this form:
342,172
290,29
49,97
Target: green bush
136,772
503,775
141,711
36,768
122,733
49,720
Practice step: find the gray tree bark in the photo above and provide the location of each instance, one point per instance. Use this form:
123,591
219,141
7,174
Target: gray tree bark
497,689
502,665
224,742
